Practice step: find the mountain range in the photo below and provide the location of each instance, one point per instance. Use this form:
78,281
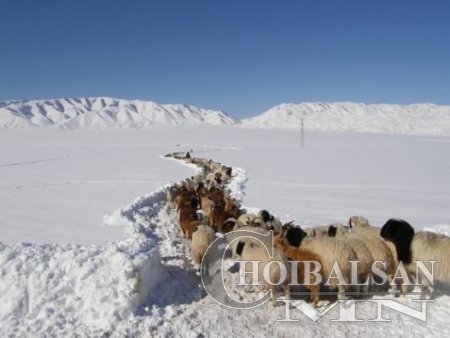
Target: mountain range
105,113
416,119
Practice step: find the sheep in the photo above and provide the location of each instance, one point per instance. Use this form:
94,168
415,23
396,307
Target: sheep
210,181
201,240
362,253
216,195
188,220
218,177
229,225
171,193
218,216
360,225
318,231
300,255
358,221
261,233
248,250
185,196
207,205
246,219
423,246
232,207
227,172
331,251
193,182
270,222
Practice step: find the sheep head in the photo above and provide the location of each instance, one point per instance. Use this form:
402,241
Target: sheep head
401,233
358,221
295,236
265,215
279,241
332,231
228,225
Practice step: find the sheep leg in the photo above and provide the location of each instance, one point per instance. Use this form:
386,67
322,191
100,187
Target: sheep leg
341,293
274,296
426,289
366,286
315,294
393,288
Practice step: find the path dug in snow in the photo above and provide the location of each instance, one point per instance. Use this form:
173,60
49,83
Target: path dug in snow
145,286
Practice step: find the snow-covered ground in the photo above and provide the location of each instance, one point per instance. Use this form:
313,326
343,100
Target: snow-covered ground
56,186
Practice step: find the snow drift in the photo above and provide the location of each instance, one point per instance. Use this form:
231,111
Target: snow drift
417,119
104,112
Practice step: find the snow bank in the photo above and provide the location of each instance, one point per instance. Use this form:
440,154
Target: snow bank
52,287
129,215
237,184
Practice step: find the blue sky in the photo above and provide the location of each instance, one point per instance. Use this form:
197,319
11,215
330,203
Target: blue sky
239,56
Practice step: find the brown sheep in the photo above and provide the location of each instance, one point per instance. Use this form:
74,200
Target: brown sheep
300,255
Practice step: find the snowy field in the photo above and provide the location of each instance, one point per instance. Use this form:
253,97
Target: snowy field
55,187
131,277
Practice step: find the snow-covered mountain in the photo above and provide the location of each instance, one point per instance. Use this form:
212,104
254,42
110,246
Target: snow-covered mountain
357,117
104,112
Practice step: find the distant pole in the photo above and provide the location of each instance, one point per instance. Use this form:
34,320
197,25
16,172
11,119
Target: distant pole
302,133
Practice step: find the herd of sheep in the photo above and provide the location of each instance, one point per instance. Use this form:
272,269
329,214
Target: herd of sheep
205,208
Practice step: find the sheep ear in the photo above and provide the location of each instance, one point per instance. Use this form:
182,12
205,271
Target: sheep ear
303,234
265,215
240,248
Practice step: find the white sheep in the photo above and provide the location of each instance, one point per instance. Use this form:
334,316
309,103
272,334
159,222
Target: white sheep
210,181
269,221
240,231
278,271
171,193
381,250
246,219
422,246
201,240
318,231
193,181
331,251
362,253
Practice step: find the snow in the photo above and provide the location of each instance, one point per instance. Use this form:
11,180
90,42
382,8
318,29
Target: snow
104,113
413,119
140,281
56,186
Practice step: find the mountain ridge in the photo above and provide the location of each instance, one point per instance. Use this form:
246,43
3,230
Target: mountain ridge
417,118
103,113
107,112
